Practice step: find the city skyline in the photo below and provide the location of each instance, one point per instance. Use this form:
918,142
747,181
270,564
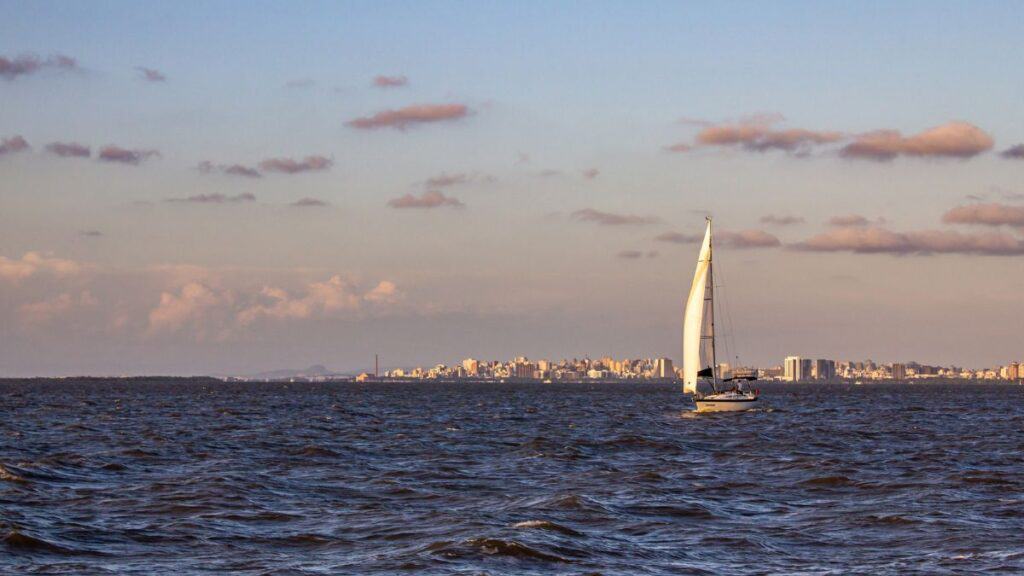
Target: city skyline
206,188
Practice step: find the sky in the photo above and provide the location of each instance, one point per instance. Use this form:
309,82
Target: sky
233,187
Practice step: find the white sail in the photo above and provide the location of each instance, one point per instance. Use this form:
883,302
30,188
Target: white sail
693,318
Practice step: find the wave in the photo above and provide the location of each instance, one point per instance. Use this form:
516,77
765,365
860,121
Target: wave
547,525
492,547
316,451
7,476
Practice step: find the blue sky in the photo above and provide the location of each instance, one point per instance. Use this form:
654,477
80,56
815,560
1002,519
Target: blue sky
552,90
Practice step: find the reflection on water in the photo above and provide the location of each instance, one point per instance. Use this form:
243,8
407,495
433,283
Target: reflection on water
109,478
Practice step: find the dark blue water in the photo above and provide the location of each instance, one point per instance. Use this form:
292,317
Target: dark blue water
114,478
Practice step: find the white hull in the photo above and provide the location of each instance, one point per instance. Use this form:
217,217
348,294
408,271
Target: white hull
711,404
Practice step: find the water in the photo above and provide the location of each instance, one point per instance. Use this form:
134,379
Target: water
110,478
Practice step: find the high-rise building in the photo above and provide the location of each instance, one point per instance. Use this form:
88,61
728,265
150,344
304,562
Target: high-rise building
824,370
792,369
899,372
1015,371
663,368
471,366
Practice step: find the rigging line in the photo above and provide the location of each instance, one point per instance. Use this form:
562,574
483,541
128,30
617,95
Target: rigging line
728,319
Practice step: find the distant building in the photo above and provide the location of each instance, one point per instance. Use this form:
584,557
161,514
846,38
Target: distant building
663,368
899,372
471,366
791,369
824,370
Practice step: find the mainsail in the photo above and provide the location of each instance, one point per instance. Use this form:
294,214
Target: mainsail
693,318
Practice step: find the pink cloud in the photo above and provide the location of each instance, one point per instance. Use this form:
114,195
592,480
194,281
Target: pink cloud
757,135
11,68
875,240
390,81
411,115
680,147
679,238
309,203
290,166
950,140
445,180
33,263
987,214
125,156
331,298
190,306
13,144
591,173
69,149
207,167
612,219
151,75
429,199
781,220
46,311
739,239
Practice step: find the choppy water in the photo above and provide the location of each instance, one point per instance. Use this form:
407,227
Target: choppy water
524,479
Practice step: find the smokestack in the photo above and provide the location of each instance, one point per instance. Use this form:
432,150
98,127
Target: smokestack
376,366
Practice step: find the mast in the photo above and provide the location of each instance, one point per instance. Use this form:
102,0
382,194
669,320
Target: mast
711,301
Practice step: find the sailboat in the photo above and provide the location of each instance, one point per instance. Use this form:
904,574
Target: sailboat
696,368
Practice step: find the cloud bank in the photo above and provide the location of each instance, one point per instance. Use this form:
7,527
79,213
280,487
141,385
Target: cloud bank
876,240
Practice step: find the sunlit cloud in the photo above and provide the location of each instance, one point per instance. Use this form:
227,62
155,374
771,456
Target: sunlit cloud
291,166
207,167
781,220
390,81
52,309
34,263
740,239
13,144
992,214
126,156
332,298
69,149
215,198
429,199
757,137
150,74
876,240
404,118
612,219
680,147
950,140
188,307
26,64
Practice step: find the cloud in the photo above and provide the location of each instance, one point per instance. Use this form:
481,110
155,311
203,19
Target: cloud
33,263
331,298
590,173
90,233
215,198
309,203
986,214
151,75
26,64
390,81
45,311
13,144
290,166
950,140
69,149
876,240
848,220
611,219
207,167
636,254
403,118
190,306
781,220
429,199
680,147
740,239
761,137
125,156
1014,152
444,180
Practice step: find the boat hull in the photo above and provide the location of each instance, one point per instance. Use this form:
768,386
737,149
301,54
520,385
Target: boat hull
719,405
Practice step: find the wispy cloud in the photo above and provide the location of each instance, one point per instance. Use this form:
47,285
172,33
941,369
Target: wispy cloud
876,240
429,199
679,147
309,203
207,167
90,233
26,64
950,140
390,81
992,214
12,145
150,74
739,239
215,198
636,254
781,220
590,173
679,238
848,220
69,149
444,180
612,219
404,118
1014,152
291,166
125,156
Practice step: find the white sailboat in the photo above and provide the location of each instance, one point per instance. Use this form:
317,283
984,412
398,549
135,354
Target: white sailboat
699,367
